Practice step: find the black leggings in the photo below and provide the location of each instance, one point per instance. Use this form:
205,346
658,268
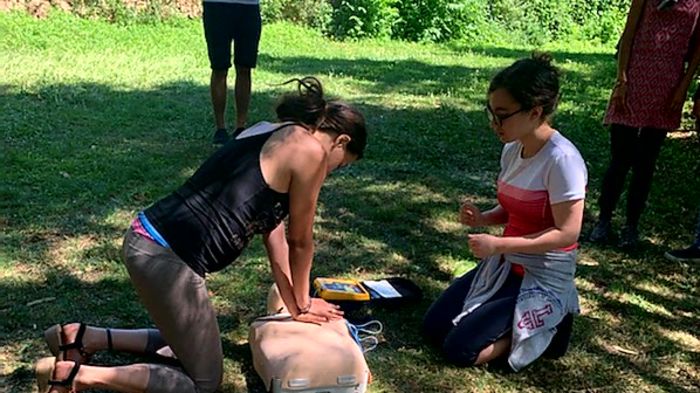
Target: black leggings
461,344
636,149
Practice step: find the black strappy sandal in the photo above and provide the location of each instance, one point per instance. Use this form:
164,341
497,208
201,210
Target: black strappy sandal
54,339
45,369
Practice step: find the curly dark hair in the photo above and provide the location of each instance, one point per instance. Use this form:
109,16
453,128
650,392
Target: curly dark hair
309,107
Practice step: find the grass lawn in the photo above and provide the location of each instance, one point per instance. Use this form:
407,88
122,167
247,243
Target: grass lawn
97,121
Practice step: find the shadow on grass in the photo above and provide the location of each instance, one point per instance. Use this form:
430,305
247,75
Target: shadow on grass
84,158
410,77
242,351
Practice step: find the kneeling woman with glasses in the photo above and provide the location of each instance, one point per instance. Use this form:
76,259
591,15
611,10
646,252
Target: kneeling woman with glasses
517,304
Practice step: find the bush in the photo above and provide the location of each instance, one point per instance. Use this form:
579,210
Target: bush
363,18
545,20
312,13
533,21
602,20
417,20
441,20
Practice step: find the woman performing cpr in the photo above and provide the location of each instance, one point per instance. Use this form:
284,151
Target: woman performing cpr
269,172
519,300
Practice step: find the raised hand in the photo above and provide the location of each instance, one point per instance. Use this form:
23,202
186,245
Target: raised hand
471,215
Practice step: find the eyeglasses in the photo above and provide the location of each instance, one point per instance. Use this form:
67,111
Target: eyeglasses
499,119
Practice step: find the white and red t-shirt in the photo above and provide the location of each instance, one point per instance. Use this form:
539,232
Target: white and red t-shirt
527,187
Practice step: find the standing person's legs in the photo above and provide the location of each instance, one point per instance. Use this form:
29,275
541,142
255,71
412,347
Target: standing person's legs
623,144
216,18
644,165
623,141
219,89
243,89
246,39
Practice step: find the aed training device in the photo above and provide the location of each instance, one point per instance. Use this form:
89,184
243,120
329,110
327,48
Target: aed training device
352,294
341,289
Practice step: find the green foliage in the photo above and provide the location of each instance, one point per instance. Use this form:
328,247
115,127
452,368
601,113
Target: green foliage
364,18
545,20
600,19
313,13
126,12
526,21
475,21
441,20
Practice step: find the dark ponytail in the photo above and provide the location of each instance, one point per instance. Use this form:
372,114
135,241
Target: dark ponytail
309,107
532,82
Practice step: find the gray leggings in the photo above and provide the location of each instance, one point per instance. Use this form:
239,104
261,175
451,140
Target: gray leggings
176,299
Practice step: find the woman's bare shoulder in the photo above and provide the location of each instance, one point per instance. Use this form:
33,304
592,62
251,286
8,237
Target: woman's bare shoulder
294,142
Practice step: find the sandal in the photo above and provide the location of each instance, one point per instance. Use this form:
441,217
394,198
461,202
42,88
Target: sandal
44,371
54,339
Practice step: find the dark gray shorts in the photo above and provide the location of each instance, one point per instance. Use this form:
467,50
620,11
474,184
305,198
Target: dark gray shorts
238,23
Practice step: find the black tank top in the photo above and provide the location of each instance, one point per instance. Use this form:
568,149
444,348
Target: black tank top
210,219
